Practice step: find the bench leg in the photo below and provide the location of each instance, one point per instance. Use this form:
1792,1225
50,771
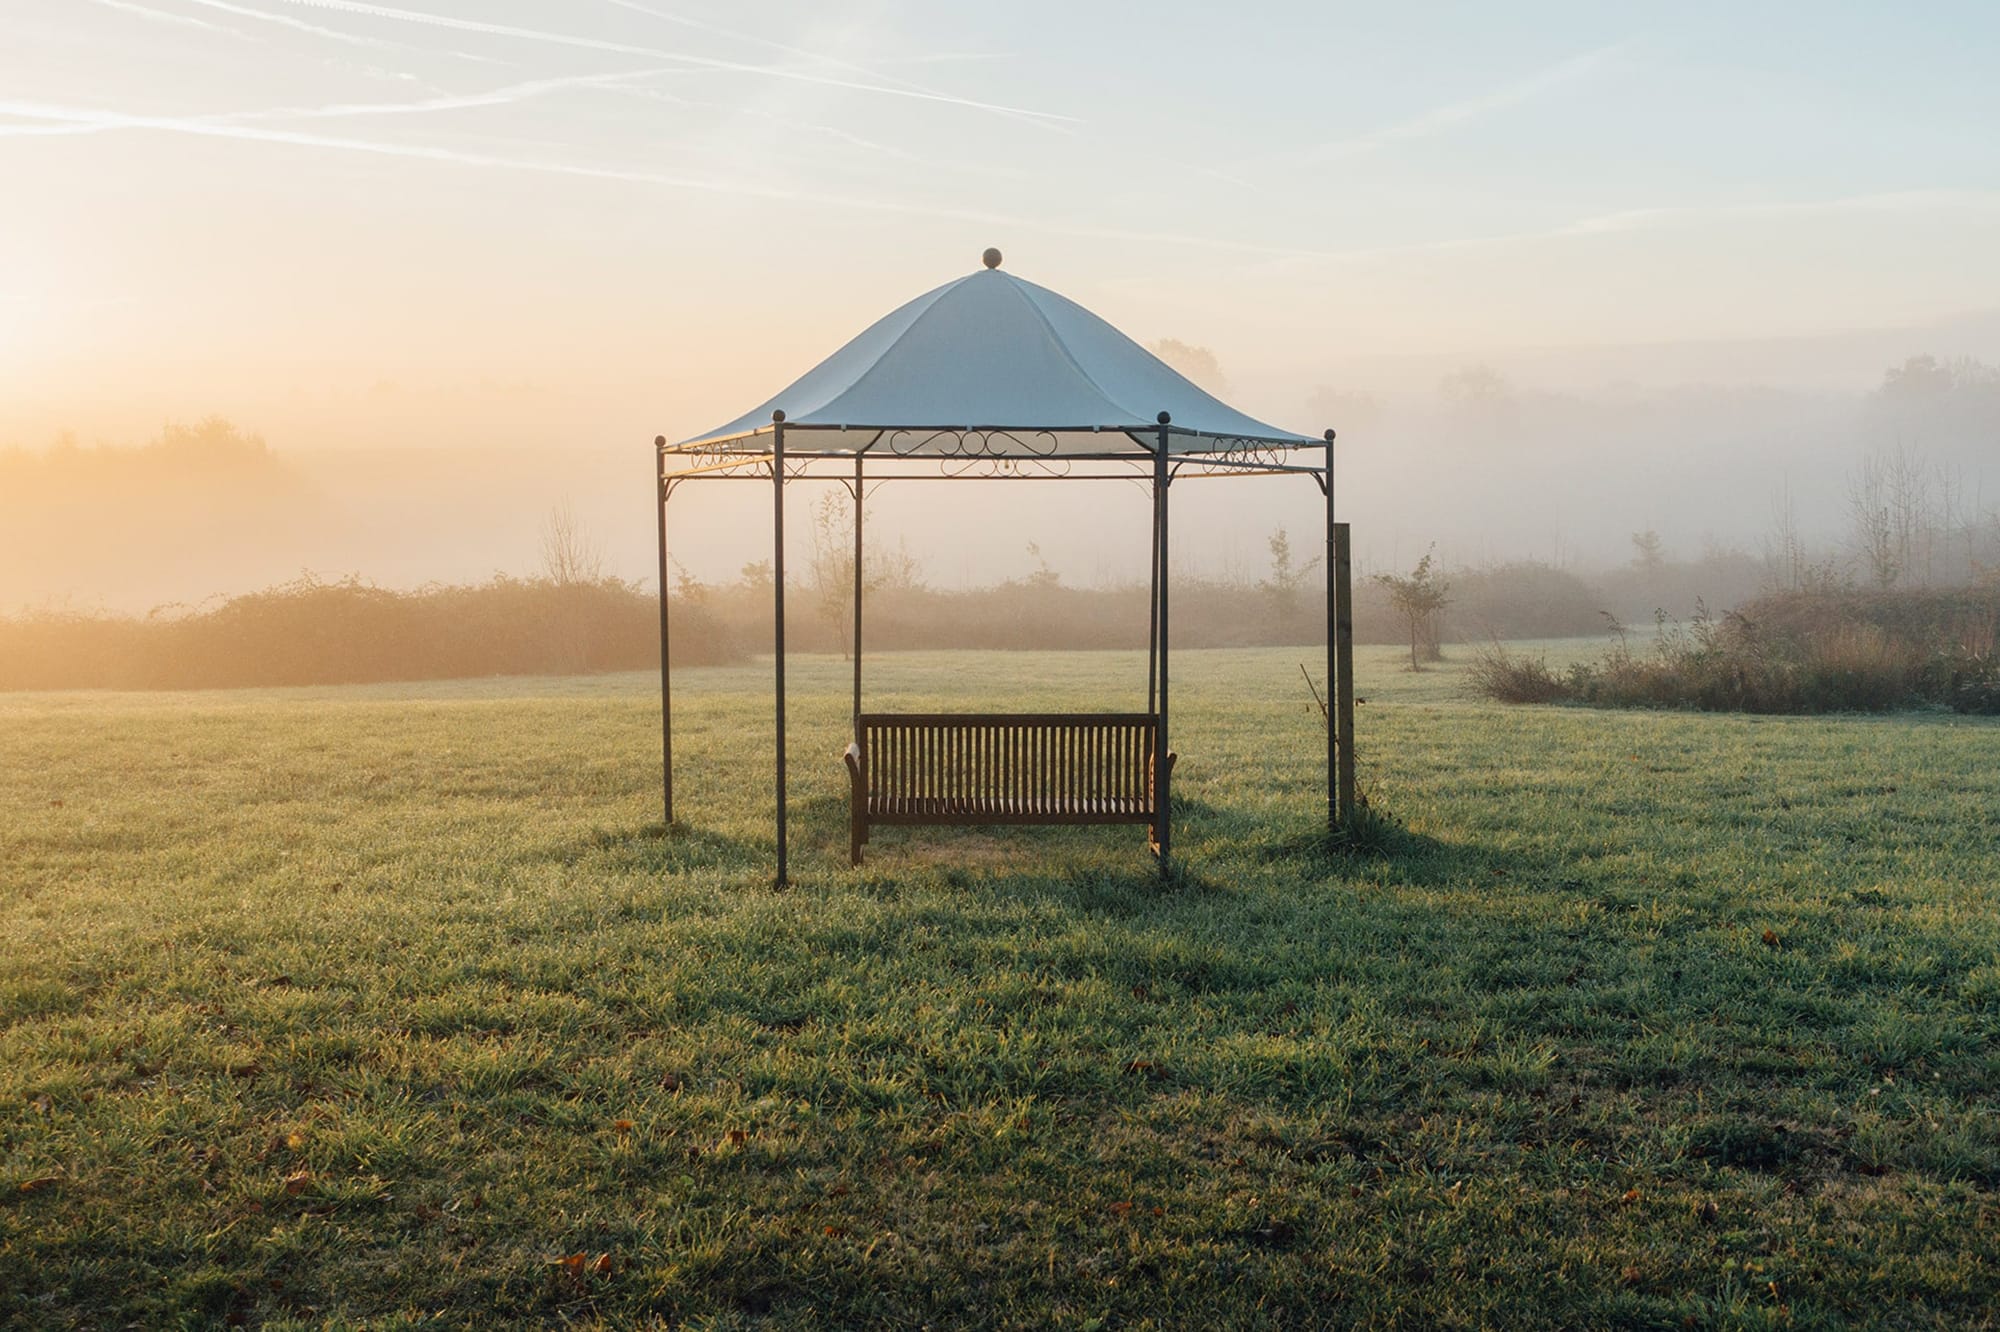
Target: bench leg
857,804
1159,833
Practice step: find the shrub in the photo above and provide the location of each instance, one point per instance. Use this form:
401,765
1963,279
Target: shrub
1499,674
1817,652
349,632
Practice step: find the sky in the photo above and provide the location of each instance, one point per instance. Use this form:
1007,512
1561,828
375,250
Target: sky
573,226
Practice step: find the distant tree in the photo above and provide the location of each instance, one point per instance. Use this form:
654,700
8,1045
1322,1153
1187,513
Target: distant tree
833,562
1287,576
1418,597
687,587
1344,410
1043,577
1922,379
756,576
1874,525
832,569
1477,389
214,442
1648,551
569,555
1197,363
1480,406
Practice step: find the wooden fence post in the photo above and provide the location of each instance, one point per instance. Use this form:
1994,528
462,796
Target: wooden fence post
1343,685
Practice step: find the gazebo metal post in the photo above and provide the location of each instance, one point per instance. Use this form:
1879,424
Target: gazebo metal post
1162,769
661,491
857,598
778,596
1153,602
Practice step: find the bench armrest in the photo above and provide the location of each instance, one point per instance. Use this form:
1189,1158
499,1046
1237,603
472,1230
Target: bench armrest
853,760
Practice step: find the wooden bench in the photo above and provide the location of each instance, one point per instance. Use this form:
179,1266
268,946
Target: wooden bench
994,768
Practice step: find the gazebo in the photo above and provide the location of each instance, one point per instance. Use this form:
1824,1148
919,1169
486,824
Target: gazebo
992,378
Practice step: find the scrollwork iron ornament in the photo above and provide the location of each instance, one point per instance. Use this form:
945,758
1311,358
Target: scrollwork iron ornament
714,450
1236,451
973,443
1003,465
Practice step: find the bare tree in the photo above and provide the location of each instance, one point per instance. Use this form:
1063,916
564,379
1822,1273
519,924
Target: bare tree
1784,552
1281,589
1418,597
1648,551
569,554
832,566
832,569
1874,527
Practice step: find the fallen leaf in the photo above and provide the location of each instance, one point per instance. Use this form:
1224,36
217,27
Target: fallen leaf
1631,1275
298,1182
1630,1196
671,1082
1770,938
249,1070
602,1267
55,804
1120,1208
37,1185
279,980
622,1125
295,1140
737,1137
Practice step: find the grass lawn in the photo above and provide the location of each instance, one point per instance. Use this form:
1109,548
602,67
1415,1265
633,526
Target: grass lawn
389,1005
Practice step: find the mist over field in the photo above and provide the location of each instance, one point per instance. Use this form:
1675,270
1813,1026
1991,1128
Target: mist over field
1556,282
1557,459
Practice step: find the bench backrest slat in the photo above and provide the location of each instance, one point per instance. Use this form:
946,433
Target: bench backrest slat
1029,760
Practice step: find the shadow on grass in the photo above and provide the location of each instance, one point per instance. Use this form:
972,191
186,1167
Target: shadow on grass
657,848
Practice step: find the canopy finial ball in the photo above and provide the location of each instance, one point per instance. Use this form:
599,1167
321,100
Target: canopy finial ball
991,258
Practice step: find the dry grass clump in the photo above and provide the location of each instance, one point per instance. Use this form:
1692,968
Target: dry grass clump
1790,654
1506,677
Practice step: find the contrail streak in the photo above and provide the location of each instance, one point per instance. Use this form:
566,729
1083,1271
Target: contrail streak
163,16
514,92
88,119
625,48
818,57
285,20
1439,119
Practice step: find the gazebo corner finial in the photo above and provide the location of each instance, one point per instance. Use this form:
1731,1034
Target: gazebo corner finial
991,258
659,441
778,416
1165,418
1329,434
